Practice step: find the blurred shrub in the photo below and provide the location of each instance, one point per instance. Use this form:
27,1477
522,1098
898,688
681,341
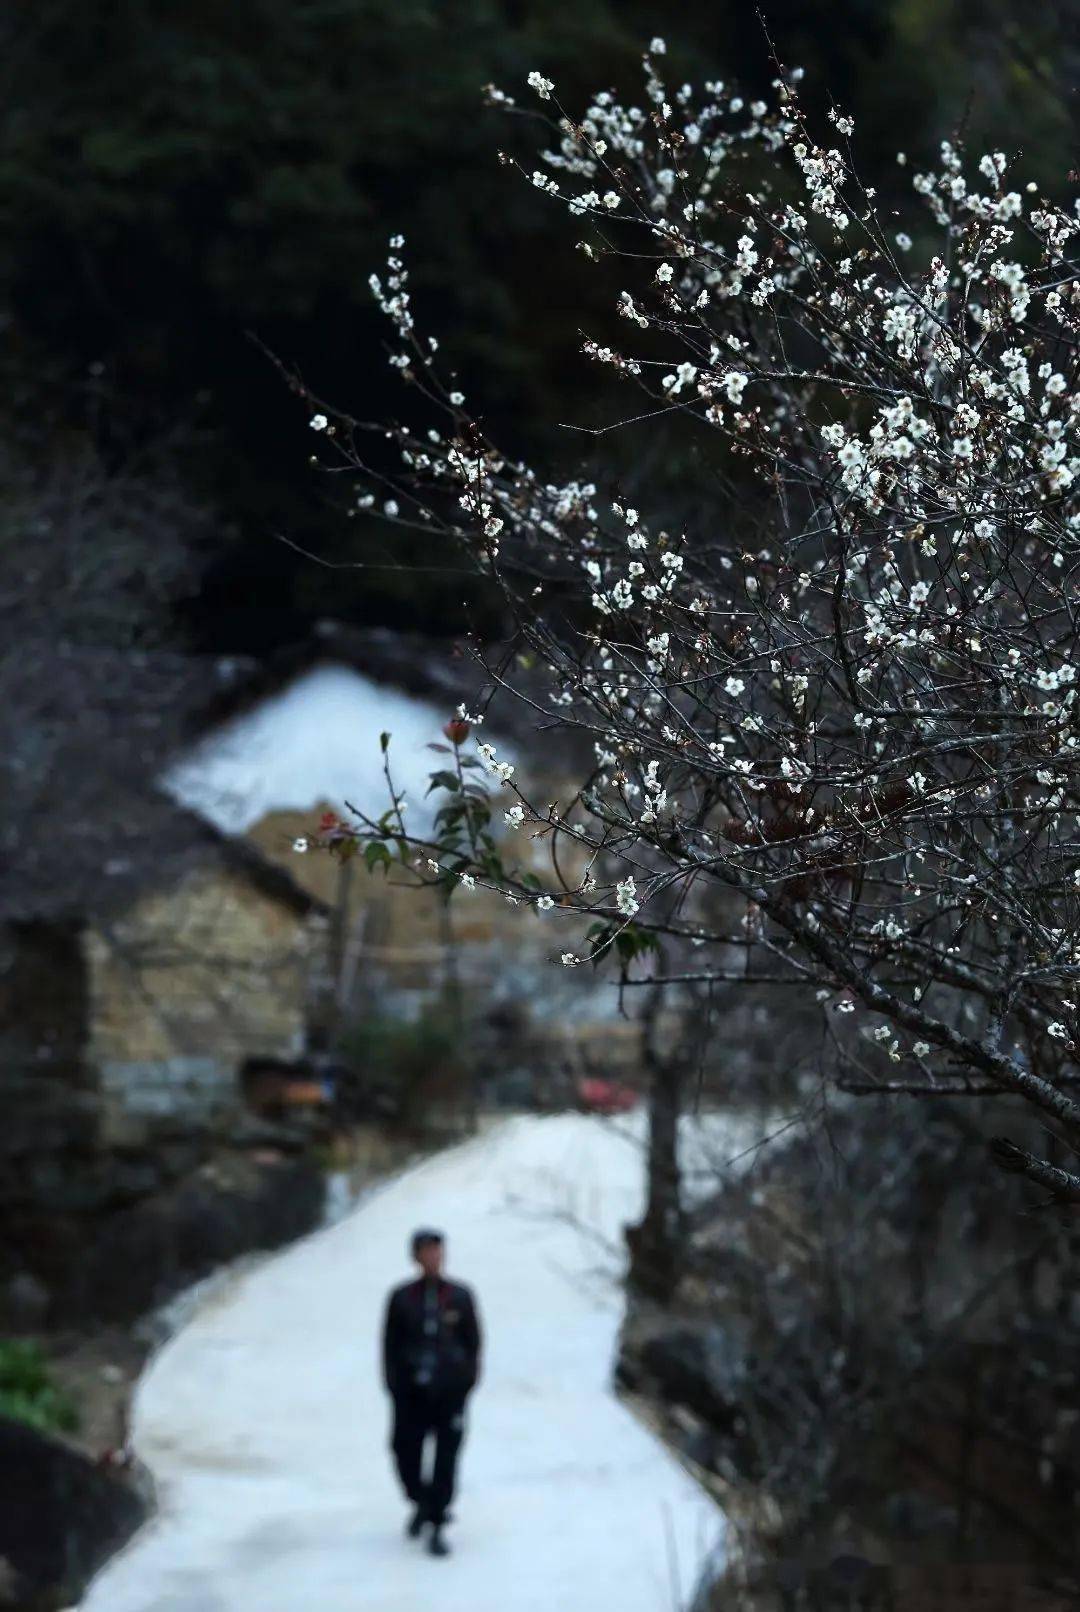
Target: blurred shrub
27,1392
421,1061
174,176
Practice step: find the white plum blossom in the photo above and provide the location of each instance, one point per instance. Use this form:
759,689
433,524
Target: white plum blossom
685,375
862,662
735,385
502,770
626,897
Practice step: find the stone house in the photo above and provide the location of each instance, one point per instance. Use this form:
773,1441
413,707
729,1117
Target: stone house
157,930
123,1032
159,936
144,953
144,957
302,736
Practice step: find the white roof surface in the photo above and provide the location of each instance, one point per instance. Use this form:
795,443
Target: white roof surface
315,742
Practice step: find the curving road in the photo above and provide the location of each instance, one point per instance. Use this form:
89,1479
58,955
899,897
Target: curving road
265,1426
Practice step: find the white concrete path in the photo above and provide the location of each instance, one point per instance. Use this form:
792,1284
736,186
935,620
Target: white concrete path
265,1424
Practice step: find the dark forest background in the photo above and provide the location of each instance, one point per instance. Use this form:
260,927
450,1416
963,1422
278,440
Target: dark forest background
178,178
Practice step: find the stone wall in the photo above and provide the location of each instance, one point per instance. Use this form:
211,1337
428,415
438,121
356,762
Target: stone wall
183,988
397,949
120,1051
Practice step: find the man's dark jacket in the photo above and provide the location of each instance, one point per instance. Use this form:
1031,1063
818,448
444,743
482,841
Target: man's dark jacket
443,1362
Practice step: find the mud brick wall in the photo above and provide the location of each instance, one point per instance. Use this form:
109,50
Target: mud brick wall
188,984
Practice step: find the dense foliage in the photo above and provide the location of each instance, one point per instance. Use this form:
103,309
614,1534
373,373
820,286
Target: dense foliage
173,177
27,1391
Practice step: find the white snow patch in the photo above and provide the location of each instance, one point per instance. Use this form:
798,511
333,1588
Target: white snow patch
265,1424
317,741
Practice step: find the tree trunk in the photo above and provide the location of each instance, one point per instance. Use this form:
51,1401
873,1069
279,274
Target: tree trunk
657,1243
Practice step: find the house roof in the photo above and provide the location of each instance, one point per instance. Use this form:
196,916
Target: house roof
303,730
439,671
87,732
84,734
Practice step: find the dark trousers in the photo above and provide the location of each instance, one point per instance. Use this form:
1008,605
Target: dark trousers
418,1417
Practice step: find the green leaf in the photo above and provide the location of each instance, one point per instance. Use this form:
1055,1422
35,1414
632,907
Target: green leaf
633,942
376,854
445,780
628,942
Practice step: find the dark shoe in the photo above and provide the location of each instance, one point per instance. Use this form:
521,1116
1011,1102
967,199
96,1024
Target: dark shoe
416,1523
437,1545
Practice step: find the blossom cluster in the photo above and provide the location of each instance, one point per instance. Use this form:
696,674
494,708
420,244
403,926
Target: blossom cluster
859,715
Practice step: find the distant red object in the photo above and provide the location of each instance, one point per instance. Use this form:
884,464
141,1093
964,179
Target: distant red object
606,1097
121,1458
456,730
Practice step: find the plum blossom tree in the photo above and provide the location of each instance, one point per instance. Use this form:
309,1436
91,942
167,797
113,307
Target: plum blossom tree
844,694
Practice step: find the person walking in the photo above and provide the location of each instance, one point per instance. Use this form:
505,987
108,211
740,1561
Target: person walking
431,1362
